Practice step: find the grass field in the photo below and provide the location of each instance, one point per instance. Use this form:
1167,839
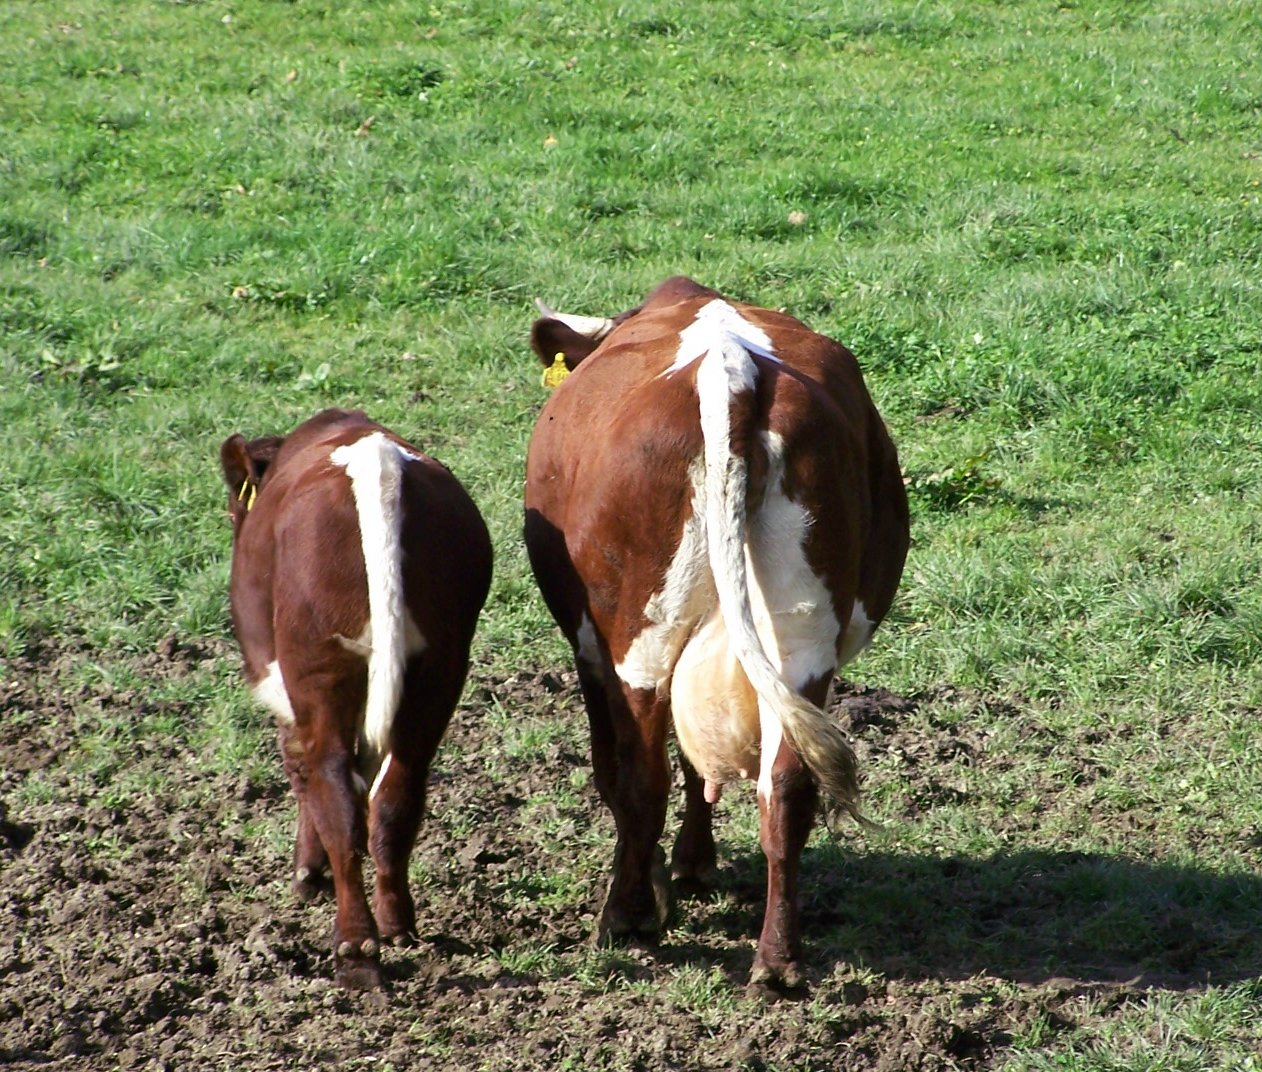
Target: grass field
1038,226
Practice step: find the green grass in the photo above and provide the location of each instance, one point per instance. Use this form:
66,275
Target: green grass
1212,1031
1039,226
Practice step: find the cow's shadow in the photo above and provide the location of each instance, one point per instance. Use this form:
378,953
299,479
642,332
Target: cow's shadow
1028,915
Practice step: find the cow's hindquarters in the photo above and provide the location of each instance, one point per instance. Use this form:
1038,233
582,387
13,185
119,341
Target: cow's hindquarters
774,644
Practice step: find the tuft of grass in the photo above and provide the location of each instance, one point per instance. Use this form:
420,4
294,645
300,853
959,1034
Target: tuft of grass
1192,1032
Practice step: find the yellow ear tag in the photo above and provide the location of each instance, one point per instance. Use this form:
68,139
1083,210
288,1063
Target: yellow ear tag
254,490
555,373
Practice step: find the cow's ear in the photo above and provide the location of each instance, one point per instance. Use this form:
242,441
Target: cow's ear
550,337
244,464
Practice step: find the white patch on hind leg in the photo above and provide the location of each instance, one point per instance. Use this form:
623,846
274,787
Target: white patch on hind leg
270,691
793,608
772,735
686,596
858,633
381,774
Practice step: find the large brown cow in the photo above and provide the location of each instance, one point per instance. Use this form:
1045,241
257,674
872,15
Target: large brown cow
359,568
716,518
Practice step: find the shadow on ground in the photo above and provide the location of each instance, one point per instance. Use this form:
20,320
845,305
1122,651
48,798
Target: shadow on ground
1029,916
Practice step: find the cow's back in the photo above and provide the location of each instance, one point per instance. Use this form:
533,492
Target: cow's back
308,520
612,465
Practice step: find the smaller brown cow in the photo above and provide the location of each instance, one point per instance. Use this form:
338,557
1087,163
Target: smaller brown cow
359,568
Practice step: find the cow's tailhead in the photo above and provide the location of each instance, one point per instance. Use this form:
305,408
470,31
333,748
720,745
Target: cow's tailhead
245,464
562,340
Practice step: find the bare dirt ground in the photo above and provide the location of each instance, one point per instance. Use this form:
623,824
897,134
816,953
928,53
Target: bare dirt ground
162,935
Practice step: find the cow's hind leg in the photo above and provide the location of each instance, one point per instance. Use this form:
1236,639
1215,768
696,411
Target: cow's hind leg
394,818
337,810
785,821
311,880
600,722
786,815
628,734
693,863
638,899
398,800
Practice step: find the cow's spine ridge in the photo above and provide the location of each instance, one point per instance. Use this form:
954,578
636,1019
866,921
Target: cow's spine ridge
375,467
726,372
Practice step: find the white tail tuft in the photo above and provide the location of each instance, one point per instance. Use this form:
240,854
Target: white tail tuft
375,467
728,370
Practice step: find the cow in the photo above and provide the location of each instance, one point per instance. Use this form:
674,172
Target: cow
359,568
716,518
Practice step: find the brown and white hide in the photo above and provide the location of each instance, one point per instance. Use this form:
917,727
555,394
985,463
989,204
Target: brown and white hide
716,517
359,568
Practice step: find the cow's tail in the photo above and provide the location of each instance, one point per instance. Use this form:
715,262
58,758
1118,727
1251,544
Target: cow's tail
726,383
375,467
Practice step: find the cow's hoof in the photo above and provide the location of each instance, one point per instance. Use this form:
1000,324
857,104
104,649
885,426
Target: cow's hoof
310,885
400,939
694,865
690,885
776,980
396,919
355,965
618,928
640,916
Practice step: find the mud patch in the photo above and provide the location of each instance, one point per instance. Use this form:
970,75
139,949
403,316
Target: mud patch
146,920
